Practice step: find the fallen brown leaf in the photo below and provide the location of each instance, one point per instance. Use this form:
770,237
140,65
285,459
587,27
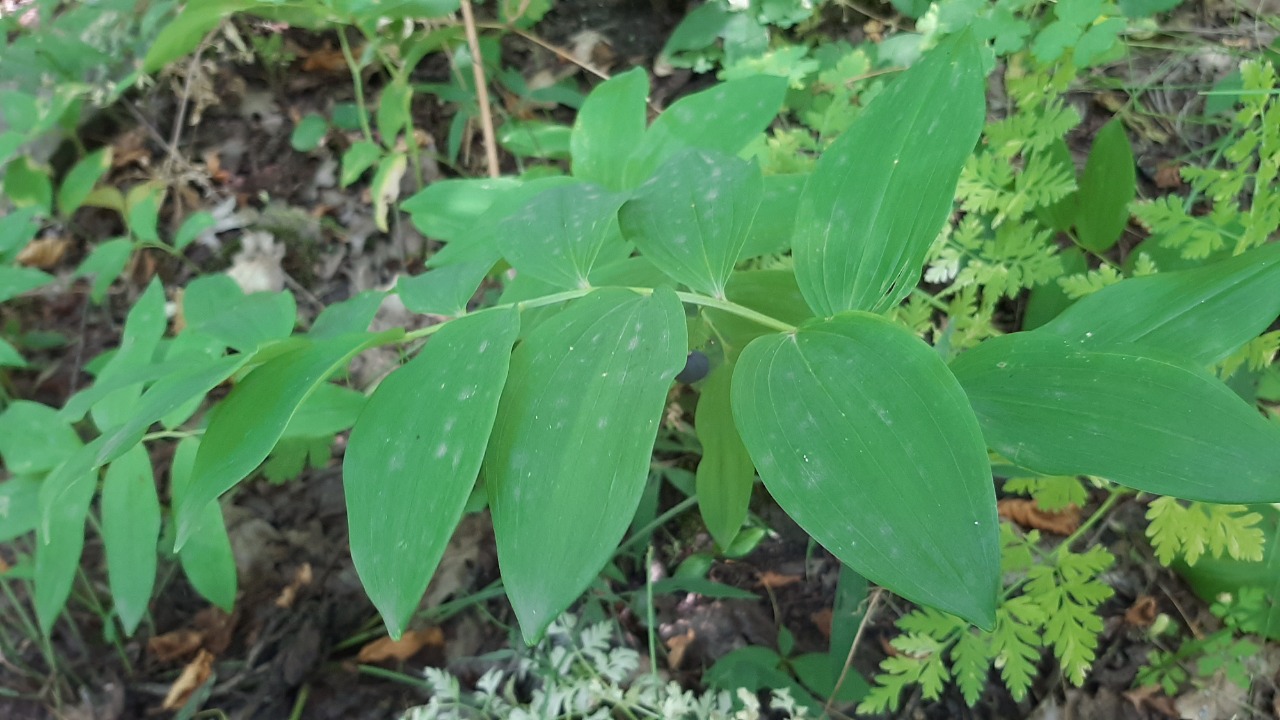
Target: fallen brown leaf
216,625
1151,698
44,253
773,580
301,578
193,676
175,645
823,620
676,648
406,647
1143,612
130,148
326,59
1029,515
1168,176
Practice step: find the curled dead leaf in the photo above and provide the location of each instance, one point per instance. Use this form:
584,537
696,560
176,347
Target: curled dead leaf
175,645
1168,176
677,645
327,59
774,580
823,620
301,578
1029,515
193,676
1142,612
407,646
44,253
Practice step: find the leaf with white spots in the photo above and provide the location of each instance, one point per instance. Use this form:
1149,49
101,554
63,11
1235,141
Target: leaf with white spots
571,448
724,118
414,455
562,233
880,194
1149,423
693,216
608,127
865,438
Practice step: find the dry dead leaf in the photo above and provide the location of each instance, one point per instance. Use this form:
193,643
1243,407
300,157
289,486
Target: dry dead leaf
193,676
326,59
676,648
301,578
130,148
1142,612
823,620
256,268
1029,515
174,645
1169,176
44,253
216,625
774,580
874,30
400,650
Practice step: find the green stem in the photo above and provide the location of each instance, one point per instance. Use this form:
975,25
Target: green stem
1103,510
657,522
556,298
357,83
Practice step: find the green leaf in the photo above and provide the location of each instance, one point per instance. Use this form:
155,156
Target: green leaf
142,211
80,180
449,209
1045,302
693,216
725,473
1203,314
245,427
775,220
608,128
181,35
27,184
309,132
327,411
443,291
105,263
143,329
34,438
215,305
206,557
19,507
167,395
862,435
352,315
357,159
130,532
17,229
9,356
570,451
562,233
723,118
196,223
414,454
1062,214
1147,423
1106,189
393,112
59,542
385,187
879,195
534,139
16,280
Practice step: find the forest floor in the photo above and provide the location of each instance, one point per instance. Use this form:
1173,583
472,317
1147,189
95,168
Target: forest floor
304,641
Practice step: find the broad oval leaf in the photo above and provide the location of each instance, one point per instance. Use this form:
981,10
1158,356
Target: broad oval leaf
863,436
19,507
692,218
560,234
34,438
215,305
724,118
1107,186
608,128
59,541
414,455
571,447
879,195
130,532
725,473
247,425
1202,314
1143,422
444,290
206,557
80,180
